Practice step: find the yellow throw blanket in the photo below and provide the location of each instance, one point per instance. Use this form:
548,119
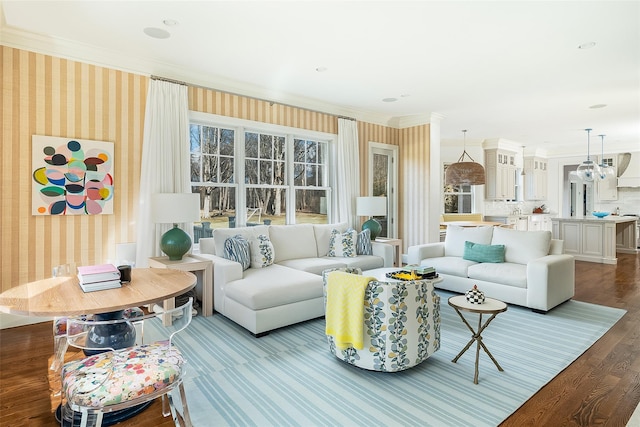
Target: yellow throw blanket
345,308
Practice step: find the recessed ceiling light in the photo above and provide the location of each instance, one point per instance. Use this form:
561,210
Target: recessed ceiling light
321,69
595,106
404,95
389,99
587,45
170,22
157,33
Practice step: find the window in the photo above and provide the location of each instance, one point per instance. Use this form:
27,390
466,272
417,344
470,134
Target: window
265,178
212,174
310,180
457,198
250,173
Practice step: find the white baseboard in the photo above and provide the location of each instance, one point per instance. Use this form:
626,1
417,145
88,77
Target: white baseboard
12,320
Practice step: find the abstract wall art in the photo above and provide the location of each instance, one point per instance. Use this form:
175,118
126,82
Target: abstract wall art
71,176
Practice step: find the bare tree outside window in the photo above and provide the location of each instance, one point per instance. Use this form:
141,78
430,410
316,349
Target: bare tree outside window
212,171
457,198
310,176
214,152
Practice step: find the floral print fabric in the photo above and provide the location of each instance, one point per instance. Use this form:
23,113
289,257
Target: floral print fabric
402,326
262,254
343,245
119,376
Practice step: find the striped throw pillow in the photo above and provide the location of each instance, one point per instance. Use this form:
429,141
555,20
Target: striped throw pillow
236,249
363,247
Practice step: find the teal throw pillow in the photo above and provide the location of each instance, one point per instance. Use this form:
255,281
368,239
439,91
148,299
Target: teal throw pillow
483,253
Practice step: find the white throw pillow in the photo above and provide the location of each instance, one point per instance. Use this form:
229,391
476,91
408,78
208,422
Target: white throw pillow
456,236
343,245
262,253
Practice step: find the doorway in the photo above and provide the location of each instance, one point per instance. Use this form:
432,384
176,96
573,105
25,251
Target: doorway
383,178
580,194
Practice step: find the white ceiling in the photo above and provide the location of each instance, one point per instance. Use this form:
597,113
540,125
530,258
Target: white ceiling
501,69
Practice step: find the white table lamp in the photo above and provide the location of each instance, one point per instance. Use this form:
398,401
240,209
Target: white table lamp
371,206
174,208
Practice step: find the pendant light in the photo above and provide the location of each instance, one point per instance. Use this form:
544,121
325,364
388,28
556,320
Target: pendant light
606,171
588,170
464,173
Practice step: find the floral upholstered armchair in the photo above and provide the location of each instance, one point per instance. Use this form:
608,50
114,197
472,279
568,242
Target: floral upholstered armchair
401,325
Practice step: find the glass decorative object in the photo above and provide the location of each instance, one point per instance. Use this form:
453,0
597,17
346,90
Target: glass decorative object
588,170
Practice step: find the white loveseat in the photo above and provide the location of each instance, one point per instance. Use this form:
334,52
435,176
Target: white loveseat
288,291
535,272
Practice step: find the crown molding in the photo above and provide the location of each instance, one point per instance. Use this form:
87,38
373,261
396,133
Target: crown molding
85,53
404,122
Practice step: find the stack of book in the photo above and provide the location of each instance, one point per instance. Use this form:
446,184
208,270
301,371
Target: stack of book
422,270
98,277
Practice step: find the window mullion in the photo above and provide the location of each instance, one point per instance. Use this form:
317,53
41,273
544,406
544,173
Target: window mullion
241,188
288,166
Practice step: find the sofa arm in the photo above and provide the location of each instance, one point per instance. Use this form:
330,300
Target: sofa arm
385,251
224,271
428,250
550,281
207,245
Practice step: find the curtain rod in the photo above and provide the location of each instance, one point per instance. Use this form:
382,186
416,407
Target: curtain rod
165,79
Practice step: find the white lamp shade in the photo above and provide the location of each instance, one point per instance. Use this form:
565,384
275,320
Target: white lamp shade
371,206
172,208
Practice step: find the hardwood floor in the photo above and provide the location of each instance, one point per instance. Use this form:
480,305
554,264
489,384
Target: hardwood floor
602,387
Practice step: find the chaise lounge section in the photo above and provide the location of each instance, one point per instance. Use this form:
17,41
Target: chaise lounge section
288,290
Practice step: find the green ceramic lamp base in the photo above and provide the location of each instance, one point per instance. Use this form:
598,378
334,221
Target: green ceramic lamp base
175,243
373,226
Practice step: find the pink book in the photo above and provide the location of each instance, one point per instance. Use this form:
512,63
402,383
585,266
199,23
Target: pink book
98,273
86,270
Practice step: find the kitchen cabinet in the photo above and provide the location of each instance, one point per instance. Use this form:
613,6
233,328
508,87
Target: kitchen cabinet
607,189
596,240
535,178
539,222
500,169
522,223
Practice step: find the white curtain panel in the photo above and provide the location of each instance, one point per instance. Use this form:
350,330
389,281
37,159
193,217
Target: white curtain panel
348,172
165,161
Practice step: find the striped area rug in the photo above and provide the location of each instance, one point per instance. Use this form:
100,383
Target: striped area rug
289,378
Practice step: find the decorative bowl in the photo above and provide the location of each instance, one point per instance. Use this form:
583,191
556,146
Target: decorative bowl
407,276
600,214
475,295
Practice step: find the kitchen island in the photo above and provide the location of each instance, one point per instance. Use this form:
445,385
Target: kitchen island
596,239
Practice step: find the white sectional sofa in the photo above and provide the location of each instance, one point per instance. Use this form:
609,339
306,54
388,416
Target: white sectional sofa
535,273
289,290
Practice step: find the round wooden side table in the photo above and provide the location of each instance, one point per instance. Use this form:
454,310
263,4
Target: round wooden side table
490,306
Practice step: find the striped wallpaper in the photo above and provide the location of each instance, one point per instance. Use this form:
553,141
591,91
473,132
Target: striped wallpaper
45,95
